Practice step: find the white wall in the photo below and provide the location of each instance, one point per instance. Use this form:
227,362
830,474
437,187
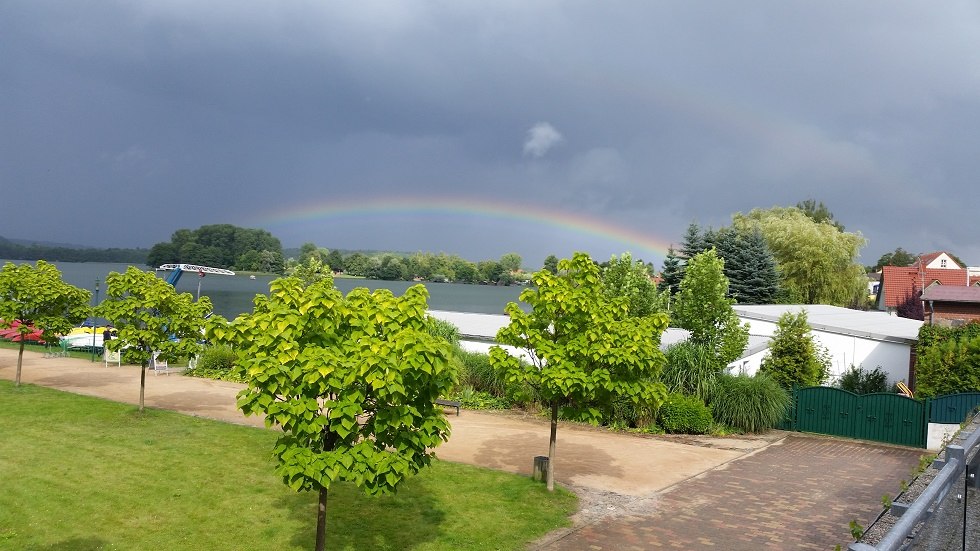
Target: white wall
845,350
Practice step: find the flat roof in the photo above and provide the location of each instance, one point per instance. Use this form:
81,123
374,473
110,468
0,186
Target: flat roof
484,327
874,325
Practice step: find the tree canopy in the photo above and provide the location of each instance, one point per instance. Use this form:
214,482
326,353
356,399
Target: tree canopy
817,261
624,277
585,349
794,358
152,319
749,266
819,213
703,308
37,298
221,246
898,257
351,381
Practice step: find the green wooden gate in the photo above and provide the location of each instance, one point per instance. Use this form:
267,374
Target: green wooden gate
888,418
953,408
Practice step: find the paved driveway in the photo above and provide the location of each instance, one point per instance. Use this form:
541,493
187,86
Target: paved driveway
800,493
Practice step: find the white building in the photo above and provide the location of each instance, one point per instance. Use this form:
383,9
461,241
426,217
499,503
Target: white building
477,332
852,337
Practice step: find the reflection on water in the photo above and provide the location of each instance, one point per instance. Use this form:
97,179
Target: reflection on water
233,295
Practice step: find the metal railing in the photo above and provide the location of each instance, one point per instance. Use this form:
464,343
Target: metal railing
957,474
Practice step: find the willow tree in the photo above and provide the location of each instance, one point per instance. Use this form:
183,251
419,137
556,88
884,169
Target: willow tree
152,319
585,348
351,381
817,261
37,298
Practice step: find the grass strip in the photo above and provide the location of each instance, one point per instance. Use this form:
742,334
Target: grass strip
83,473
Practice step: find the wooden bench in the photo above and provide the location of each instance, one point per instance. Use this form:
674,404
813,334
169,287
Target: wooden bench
449,404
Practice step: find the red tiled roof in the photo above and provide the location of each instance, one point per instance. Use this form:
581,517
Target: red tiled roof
952,293
898,282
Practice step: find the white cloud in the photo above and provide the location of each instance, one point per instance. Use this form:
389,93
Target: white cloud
541,138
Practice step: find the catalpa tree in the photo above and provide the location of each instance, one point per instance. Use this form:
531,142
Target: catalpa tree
37,298
151,318
585,347
351,381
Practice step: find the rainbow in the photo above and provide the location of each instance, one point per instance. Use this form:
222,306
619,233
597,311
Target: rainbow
491,209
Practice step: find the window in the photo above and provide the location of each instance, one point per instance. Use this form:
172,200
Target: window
942,263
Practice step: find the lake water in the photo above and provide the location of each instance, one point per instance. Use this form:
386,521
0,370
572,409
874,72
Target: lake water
232,295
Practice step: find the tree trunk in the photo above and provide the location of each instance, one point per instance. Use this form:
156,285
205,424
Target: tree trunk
142,385
551,446
321,521
20,362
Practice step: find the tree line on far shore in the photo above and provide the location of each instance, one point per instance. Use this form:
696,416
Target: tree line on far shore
39,251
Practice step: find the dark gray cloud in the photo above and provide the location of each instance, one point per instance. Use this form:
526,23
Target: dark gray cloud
121,121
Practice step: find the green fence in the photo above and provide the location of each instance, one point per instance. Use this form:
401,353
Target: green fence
888,418
953,408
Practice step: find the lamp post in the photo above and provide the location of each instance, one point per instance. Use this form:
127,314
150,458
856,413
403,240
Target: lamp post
93,316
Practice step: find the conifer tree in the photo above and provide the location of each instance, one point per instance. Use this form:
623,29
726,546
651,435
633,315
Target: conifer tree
693,244
749,266
672,274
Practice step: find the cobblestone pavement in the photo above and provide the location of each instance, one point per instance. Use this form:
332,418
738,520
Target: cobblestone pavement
800,493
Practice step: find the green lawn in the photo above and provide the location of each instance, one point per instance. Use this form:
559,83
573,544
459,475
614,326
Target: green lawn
79,473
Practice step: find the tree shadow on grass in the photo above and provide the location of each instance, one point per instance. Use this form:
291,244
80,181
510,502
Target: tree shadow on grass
76,544
357,521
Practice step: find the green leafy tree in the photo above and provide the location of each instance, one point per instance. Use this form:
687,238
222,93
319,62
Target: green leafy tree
351,381
335,260
151,318
551,264
585,349
816,260
218,245
898,257
39,299
819,213
624,277
510,262
312,271
309,250
356,264
704,309
794,358
491,271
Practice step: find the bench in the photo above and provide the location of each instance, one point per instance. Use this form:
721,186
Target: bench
449,404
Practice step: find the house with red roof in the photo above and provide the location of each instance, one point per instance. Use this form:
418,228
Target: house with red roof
939,260
951,305
900,282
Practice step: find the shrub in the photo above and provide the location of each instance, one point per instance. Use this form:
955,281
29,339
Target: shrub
751,404
948,360
216,362
685,415
473,399
443,329
691,369
215,358
949,367
859,381
477,373
794,359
